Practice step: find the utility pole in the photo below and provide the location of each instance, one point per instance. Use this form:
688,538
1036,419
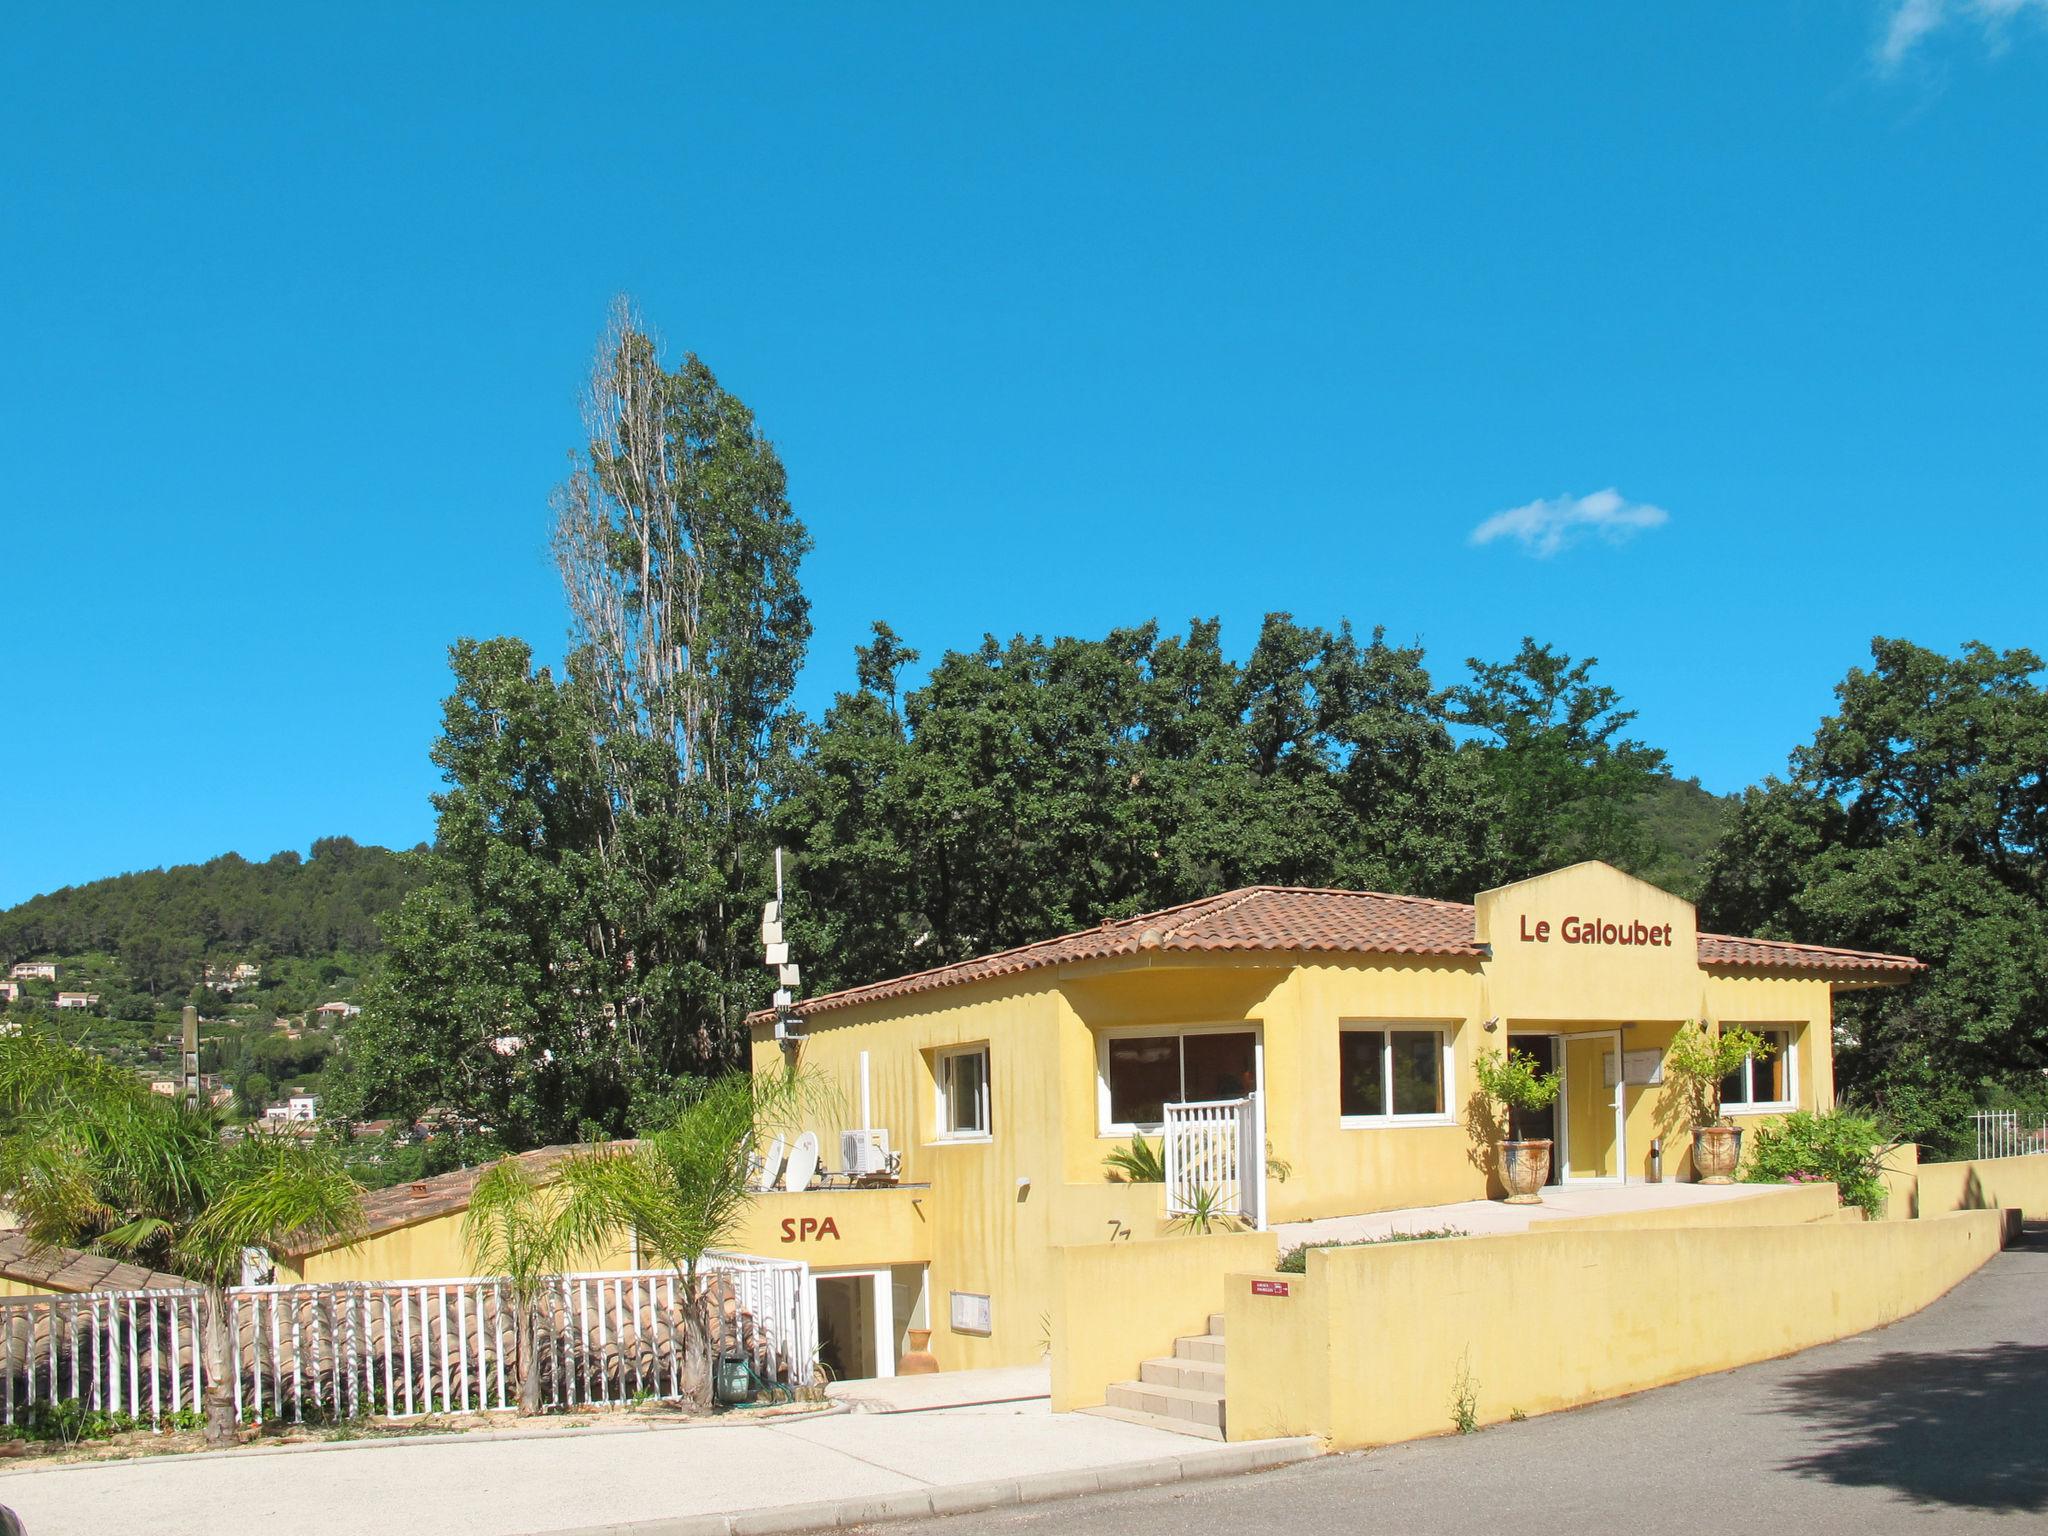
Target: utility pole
189,1057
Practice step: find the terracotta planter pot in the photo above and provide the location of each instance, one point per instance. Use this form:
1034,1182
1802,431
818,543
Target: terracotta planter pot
1716,1149
1525,1169
918,1360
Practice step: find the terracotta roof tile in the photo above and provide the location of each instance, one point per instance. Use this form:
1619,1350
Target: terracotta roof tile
70,1270
1774,954
1297,920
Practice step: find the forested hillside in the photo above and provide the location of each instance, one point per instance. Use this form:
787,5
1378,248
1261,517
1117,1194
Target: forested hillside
144,940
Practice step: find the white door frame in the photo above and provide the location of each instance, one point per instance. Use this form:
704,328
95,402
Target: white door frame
882,1310
1564,1121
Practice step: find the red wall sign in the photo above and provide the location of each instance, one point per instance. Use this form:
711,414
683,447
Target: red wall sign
1269,1288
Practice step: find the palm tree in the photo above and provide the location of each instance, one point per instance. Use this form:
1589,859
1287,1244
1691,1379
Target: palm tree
683,1188
90,1158
519,1227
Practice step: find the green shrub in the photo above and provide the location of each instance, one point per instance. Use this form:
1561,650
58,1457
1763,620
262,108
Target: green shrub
1840,1147
1295,1260
1138,1163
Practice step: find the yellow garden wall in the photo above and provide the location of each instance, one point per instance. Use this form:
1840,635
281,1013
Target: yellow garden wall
1771,1205
427,1250
1114,1304
1368,1347
1984,1184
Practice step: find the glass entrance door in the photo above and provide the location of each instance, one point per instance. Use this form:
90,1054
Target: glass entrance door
1592,1097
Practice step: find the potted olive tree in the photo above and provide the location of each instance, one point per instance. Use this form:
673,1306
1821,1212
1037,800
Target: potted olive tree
1701,1059
1510,1081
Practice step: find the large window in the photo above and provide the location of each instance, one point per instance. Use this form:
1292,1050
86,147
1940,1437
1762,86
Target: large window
962,1075
1143,1073
1762,1082
1391,1072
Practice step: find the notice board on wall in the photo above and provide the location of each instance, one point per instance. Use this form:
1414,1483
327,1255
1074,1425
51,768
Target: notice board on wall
970,1313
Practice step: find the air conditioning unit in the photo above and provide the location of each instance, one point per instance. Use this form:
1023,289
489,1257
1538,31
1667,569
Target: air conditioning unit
864,1152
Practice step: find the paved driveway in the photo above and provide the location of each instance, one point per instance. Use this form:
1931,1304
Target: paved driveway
1936,1424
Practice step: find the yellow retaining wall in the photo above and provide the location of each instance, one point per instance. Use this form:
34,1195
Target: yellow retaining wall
1984,1184
427,1250
1902,1182
1115,1304
1368,1347
1772,1205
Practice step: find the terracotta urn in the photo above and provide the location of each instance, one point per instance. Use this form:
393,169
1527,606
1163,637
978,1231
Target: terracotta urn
918,1360
1716,1149
1525,1169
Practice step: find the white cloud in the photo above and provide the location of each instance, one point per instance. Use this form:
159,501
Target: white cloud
1912,20
1543,528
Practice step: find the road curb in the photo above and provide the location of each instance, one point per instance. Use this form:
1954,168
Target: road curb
965,1498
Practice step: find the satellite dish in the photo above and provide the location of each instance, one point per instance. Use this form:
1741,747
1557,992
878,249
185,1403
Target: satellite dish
771,1165
803,1162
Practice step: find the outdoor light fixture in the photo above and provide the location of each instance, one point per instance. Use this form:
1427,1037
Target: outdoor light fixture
1492,1025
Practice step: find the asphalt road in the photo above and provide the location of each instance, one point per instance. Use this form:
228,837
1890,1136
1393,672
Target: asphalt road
1938,1423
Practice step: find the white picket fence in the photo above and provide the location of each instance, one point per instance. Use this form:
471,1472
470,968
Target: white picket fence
2000,1134
401,1349
1217,1148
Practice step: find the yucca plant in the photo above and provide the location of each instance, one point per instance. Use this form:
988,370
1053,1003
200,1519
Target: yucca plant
1137,1163
90,1158
1205,1214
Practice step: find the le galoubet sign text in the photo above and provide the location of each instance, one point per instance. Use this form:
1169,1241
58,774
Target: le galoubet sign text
1593,930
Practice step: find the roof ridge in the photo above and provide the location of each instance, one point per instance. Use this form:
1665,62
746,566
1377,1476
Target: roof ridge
1227,901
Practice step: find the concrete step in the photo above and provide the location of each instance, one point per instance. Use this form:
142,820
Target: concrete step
1183,1403
1156,1421
1216,1324
1201,1346
1201,1375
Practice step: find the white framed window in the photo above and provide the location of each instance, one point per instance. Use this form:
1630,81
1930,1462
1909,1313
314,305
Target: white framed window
962,1076
1766,1083
1393,1074
1142,1069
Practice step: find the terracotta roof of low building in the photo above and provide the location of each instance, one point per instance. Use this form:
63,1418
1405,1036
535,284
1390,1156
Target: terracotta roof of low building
1298,920
70,1270
405,1205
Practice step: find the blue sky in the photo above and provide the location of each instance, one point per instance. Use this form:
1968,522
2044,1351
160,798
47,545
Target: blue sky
1061,317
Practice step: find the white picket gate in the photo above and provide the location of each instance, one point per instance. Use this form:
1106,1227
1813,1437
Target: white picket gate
1216,1150
402,1349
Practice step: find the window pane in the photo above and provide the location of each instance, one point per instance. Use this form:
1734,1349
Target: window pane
967,1078
1144,1074
1771,1077
1219,1066
1418,1072
1735,1088
1361,1090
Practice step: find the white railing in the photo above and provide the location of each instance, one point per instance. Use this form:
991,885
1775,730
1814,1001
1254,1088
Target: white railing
1216,1156
2000,1134
402,1349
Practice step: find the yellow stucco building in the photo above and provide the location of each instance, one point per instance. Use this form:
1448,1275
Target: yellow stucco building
1333,1031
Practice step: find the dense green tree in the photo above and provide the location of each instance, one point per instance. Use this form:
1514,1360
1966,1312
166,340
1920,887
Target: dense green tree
588,930
1568,783
508,986
1033,787
1913,822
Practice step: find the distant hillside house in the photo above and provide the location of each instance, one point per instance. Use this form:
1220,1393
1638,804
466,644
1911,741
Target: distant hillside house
328,1012
225,978
10,991
77,999
34,970
299,1107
